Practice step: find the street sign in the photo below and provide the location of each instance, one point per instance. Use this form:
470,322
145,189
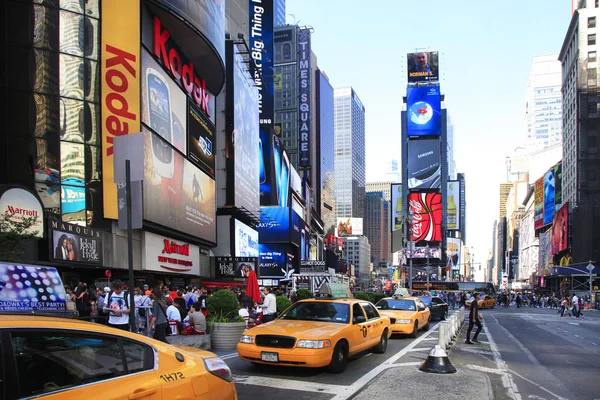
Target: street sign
590,267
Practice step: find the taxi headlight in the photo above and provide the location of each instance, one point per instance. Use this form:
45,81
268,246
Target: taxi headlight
247,339
218,368
314,344
403,321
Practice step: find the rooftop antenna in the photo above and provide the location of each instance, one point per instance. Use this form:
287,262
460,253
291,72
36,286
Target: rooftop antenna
293,16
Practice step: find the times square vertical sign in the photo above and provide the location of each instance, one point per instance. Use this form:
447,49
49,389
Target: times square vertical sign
304,97
261,47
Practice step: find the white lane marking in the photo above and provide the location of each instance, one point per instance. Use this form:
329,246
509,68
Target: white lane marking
228,356
431,338
485,369
367,355
573,323
507,380
520,345
289,384
540,387
406,364
351,390
421,349
477,351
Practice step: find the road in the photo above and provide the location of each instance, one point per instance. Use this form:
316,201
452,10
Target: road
527,353
532,353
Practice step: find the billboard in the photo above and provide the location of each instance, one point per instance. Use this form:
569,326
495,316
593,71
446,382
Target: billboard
20,290
423,66
304,97
427,216
453,248
424,164
558,185
164,254
19,205
242,134
538,201
397,217
274,226
120,55
276,260
177,194
349,226
235,267
548,197
453,206
423,106
297,234
426,252
164,105
245,240
560,229
201,140
74,243
260,17
544,238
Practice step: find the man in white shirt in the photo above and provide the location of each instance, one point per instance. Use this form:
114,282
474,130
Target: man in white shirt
117,304
269,305
575,301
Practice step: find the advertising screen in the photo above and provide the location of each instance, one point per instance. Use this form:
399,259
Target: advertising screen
423,66
274,226
560,229
164,105
235,267
273,260
349,226
558,185
424,252
453,247
296,182
20,290
548,197
201,140
74,243
427,216
544,239
177,194
423,106
453,206
245,240
424,164
396,213
297,234
538,201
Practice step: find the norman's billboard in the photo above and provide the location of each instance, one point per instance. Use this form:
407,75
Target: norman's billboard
423,66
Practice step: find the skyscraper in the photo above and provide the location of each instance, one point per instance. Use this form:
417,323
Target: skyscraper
392,173
350,174
375,226
543,107
325,151
451,162
463,207
278,12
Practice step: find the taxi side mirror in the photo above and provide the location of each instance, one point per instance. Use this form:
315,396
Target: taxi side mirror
421,308
359,320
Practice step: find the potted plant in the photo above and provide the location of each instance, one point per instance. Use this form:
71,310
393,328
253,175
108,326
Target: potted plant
224,323
303,294
282,304
362,296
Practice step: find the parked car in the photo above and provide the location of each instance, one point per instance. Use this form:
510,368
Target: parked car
437,306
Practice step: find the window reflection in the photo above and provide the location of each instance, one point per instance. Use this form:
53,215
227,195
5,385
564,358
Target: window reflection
72,5
48,188
92,8
45,28
73,204
47,121
93,164
72,75
90,33
46,154
46,77
92,81
72,164
71,120
91,129
72,40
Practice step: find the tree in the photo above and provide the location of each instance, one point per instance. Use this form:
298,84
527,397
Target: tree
14,234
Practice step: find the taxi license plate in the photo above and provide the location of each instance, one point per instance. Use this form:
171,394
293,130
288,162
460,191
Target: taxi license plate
270,357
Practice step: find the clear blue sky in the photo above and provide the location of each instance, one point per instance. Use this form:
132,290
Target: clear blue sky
485,49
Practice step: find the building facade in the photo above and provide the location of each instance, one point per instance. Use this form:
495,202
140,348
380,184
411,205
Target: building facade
350,171
279,12
376,225
383,187
357,251
463,206
325,151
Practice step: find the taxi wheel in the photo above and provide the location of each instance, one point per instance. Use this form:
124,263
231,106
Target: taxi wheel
444,315
339,359
383,342
415,331
426,327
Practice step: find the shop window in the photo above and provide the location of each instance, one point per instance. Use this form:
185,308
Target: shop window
72,77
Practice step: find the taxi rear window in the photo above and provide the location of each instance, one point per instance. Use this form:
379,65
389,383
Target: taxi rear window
405,305
319,311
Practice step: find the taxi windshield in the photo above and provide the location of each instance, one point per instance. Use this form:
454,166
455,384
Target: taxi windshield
405,305
319,311
426,300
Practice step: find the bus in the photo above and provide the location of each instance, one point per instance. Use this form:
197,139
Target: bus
484,287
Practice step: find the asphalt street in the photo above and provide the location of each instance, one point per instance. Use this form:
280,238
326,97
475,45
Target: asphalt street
532,353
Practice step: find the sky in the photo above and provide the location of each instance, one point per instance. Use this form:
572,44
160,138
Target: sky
486,49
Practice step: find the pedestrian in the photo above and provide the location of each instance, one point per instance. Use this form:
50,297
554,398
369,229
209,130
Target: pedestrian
117,305
269,305
451,300
142,305
474,320
159,316
575,302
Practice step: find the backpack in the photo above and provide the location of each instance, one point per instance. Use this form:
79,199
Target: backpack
190,301
142,311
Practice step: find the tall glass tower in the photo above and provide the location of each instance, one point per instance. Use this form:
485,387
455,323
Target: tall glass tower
278,12
350,174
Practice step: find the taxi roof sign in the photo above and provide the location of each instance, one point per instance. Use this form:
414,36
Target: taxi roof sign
401,292
334,291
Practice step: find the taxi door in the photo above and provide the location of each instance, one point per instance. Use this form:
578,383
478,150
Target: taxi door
422,313
54,364
358,331
375,324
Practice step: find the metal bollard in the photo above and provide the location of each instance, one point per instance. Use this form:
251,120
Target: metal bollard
442,336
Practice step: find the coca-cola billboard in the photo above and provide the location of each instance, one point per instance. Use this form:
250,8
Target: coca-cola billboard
427,216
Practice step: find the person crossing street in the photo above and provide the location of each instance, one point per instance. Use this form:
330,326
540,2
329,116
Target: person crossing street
474,320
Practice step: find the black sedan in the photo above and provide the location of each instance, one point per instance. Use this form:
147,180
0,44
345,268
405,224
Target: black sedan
437,306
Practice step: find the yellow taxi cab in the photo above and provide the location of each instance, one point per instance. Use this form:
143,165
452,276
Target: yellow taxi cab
485,301
407,314
319,332
50,357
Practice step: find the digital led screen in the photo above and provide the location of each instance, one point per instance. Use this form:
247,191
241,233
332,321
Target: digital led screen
423,106
274,226
424,164
549,197
453,206
538,201
423,66
560,229
245,240
201,140
427,216
276,260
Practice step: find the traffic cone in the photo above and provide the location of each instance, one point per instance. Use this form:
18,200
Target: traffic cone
437,362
